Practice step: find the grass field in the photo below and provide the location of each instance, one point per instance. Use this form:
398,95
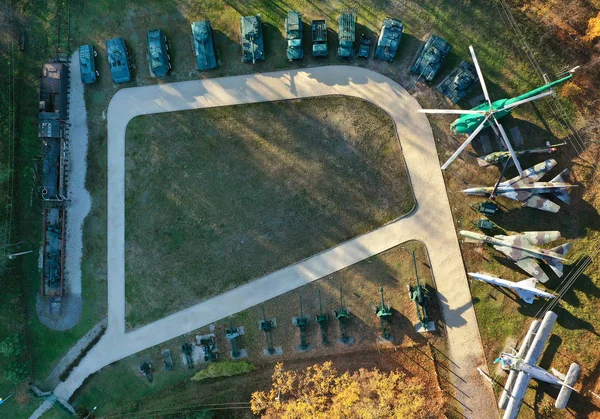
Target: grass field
217,197
122,388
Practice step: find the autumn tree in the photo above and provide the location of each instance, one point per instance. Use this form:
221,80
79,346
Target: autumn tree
593,30
320,392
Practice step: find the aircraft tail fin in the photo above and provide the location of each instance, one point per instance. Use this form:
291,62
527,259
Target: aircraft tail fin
563,195
556,266
567,386
563,249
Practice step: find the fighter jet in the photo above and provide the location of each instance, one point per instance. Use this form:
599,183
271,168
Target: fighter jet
522,367
526,188
525,288
523,250
499,157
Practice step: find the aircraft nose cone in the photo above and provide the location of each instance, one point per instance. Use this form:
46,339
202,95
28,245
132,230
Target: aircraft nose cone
472,191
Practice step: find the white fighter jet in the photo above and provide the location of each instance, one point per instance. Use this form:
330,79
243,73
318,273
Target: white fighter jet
525,288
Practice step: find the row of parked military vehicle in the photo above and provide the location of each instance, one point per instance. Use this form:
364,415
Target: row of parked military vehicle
427,62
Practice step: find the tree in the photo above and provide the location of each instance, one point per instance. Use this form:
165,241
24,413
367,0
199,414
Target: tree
320,392
11,346
593,30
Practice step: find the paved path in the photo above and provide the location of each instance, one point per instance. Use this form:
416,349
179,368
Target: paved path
430,222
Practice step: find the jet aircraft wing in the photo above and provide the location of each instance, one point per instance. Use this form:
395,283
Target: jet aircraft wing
533,174
531,266
527,296
541,237
541,203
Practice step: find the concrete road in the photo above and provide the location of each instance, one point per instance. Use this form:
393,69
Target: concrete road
430,222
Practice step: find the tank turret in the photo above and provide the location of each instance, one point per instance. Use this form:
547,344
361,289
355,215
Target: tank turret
459,82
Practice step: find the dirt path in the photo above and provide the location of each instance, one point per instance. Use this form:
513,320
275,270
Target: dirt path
430,222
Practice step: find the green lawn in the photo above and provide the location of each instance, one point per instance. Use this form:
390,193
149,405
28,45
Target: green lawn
215,198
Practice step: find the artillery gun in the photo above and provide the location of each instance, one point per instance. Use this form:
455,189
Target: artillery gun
430,57
384,312
232,334
420,295
187,349
459,82
322,319
146,368
267,326
301,322
167,359
342,314
389,39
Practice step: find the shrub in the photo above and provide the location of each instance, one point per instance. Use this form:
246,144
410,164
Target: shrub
17,371
11,346
223,369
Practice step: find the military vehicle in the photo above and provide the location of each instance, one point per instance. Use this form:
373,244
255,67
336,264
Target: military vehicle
420,295
487,114
204,46
364,47
384,312
319,38
87,64
159,60
523,250
267,326
389,39
293,34
301,322
187,349
430,57
527,188
233,334
209,347
347,34
253,47
459,82
342,314
118,60
487,207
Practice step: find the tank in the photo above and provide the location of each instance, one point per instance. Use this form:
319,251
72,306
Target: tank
430,57
347,34
319,38
87,64
118,60
158,56
204,46
459,82
364,47
389,39
253,47
293,34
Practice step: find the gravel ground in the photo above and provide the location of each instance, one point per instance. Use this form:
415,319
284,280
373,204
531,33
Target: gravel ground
80,201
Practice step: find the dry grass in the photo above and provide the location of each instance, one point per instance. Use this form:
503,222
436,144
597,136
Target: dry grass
215,198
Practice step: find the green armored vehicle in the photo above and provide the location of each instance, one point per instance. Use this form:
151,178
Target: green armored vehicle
253,47
389,39
158,57
204,47
347,34
459,82
319,38
293,34
118,60
364,47
430,57
87,65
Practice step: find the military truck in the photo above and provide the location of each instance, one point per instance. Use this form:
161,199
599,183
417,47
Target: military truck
253,47
389,39
459,82
293,34
159,60
364,47
347,34
319,38
118,60
87,64
430,57
204,46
